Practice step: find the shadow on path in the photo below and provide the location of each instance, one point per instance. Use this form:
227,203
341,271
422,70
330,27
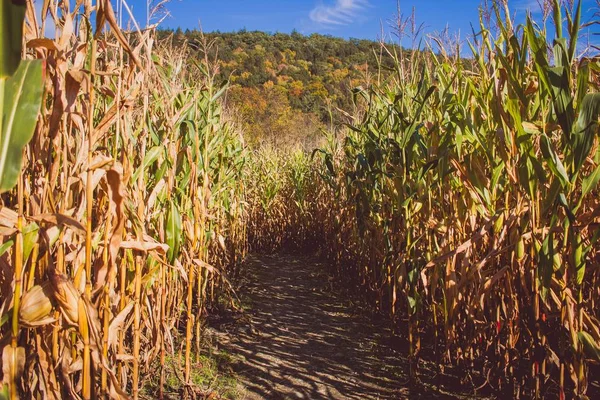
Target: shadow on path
304,342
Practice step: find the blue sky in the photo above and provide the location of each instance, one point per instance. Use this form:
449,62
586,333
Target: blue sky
345,18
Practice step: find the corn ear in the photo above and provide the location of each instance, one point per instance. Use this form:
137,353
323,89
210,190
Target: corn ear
36,306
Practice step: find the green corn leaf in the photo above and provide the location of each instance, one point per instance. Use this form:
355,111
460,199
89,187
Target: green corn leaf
412,304
561,54
557,18
590,346
562,201
574,32
554,162
561,97
590,182
549,202
30,238
22,102
583,79
329,165
174,232
538,169
222,90
546,265
5,246
546,261
151,156
4,319
538,49
578,256
585,129
526,178
500,19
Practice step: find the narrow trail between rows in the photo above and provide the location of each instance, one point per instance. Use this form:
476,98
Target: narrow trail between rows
300,340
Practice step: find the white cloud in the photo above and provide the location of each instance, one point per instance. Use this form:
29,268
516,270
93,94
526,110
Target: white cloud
342,12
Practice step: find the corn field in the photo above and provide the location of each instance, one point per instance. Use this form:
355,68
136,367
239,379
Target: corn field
464,202
461,200
127,216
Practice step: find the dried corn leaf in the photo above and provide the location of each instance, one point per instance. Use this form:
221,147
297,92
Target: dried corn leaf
116,191
148,244
13,364
105,13
57,219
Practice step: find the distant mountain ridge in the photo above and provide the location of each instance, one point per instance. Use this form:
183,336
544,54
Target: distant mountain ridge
289,82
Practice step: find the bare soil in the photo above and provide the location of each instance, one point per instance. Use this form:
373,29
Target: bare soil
299,339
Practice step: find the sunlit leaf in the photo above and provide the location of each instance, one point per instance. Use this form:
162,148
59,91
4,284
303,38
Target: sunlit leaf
22,101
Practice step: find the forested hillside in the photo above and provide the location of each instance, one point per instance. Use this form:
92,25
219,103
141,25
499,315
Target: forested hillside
285,87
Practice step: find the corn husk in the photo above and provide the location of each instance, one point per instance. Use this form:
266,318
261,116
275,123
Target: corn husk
36,306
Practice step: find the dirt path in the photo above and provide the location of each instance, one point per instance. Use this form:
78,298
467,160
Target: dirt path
304,342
